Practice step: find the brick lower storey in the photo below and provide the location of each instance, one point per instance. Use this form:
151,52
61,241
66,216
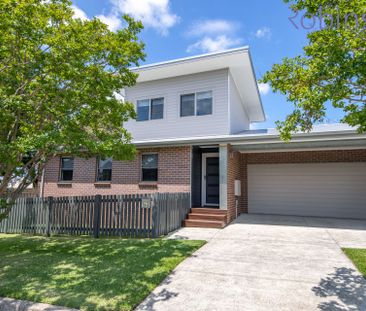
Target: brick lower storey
174,169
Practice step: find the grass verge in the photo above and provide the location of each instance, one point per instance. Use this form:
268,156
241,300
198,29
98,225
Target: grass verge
86,273
358,257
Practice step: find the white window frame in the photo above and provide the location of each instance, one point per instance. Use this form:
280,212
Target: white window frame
150,99
195,102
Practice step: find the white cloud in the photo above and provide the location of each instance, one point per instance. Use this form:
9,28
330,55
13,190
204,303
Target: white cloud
114,22
212,27
264,88
208,44
213,35
152,13
79,13
263,33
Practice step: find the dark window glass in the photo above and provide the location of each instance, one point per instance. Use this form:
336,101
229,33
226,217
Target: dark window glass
143,110
157,108
149,167
67,169
187,105
204,103
104,169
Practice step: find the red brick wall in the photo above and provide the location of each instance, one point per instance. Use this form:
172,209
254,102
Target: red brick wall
233,172
174,167
238,163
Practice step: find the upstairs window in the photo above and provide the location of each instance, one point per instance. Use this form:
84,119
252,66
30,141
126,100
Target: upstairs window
204,103
143,110
196,104
67,169
104,169
150,109
149,165
187,105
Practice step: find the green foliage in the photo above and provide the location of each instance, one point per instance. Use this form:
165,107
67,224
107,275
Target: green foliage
85,273
358,257
58,80
332,68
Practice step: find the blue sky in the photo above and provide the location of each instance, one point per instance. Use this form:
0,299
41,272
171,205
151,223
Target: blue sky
180,28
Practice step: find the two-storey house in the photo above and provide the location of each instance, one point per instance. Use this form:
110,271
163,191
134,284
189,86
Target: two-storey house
192,134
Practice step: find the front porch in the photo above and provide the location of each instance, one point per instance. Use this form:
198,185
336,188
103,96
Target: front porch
208,187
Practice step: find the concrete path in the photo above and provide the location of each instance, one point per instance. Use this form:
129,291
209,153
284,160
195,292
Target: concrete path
267,263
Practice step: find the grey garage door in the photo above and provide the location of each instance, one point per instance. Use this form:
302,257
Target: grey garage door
321,189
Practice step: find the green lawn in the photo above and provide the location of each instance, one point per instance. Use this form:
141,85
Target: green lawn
358,256
85,273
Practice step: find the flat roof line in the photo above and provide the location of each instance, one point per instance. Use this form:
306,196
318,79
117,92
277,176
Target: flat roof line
190,58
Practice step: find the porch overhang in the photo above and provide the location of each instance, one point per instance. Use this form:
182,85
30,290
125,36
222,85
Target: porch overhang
299,145
256,141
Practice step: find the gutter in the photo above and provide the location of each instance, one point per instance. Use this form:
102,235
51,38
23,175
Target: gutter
246,139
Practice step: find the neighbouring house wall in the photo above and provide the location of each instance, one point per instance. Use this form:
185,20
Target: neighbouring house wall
172,125
174,167
239,120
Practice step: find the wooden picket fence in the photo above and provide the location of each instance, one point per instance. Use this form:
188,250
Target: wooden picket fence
134,216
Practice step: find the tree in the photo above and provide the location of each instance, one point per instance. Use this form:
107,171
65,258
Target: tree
59,80
332,68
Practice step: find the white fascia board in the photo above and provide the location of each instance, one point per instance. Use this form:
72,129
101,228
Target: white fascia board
255,139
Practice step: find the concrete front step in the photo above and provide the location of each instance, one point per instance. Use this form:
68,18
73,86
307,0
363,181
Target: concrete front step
204,223
217,217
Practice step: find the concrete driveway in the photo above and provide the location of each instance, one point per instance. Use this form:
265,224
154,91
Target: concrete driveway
263,262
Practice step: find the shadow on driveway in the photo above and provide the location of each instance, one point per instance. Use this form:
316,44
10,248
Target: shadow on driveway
346,286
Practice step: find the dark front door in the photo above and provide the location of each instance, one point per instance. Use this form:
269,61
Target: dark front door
212,181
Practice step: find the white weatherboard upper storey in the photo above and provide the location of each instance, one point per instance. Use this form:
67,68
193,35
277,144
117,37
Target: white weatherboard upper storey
230,77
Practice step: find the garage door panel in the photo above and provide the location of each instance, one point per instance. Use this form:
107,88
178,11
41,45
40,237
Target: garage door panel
321,189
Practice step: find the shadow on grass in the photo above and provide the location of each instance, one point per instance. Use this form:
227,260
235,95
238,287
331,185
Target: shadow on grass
105,274
345,288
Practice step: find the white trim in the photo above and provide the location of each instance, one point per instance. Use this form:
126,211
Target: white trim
255,138
204,179
190,58
223,152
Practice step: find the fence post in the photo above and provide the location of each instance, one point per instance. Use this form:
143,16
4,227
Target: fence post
96,223
155,216
49,213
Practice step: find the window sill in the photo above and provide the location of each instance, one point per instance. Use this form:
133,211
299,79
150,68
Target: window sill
148,183
106,184
64,183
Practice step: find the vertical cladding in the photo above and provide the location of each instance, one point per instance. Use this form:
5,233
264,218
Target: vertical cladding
173,175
